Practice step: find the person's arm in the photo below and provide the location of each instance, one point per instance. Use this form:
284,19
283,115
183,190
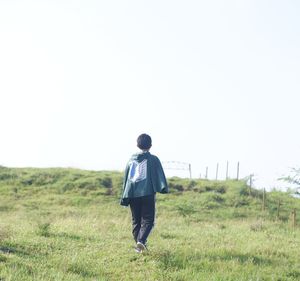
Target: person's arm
124,201
125,176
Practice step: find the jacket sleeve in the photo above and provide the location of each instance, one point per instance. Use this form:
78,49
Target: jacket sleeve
124,201
125,176
158,176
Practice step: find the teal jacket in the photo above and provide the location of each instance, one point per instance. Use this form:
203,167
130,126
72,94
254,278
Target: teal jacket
144,176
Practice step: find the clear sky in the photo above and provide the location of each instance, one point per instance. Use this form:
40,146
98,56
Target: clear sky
210,81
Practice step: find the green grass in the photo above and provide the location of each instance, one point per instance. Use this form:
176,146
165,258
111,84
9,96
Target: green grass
67,224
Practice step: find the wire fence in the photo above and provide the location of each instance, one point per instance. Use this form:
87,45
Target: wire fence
179,166
184,166
278,208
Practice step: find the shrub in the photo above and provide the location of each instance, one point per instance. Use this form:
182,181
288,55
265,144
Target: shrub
27,181
177,187
87,184
67,186
106,182
191,184
244,191
216,197
40,178
5,176
239,202
221,189
212,200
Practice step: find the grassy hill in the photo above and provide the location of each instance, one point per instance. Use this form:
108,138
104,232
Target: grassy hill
67,224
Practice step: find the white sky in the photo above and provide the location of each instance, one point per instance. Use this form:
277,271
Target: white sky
210,81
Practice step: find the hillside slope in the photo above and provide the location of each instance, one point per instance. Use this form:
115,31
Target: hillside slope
67,224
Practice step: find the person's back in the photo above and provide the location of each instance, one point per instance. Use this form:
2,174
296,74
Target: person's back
144,176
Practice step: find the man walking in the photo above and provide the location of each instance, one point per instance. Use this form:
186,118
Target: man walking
144,176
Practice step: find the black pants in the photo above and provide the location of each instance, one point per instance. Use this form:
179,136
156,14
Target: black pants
143,214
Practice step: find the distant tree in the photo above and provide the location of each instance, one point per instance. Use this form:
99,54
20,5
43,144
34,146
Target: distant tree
293,178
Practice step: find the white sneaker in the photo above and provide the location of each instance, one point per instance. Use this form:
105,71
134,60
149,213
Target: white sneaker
140,247
138,250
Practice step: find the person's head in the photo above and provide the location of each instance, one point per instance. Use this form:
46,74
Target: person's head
144,142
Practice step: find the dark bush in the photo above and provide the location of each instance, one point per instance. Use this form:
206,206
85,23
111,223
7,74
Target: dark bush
211,205
192,184
106,182
27,181
5,176
67,186
221,189
87,185
212,200
208,188
40,178
244,191
239,202
177,187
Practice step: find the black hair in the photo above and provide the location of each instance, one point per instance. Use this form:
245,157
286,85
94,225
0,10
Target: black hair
144,141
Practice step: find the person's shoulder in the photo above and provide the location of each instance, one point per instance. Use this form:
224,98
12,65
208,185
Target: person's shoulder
154,157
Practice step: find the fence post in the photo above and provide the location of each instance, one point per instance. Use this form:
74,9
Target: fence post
238,171
278,208
250,184
206,173
264,200
190,169
217,171
227,170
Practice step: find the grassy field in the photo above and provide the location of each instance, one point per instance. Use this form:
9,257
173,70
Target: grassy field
67,224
